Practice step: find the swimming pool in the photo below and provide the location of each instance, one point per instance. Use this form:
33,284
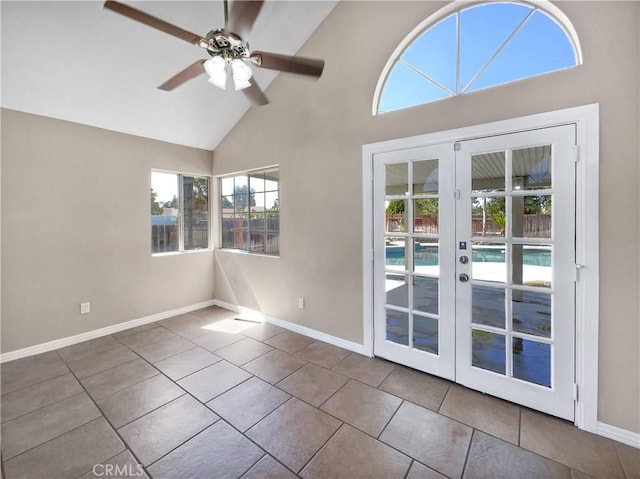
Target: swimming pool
427,255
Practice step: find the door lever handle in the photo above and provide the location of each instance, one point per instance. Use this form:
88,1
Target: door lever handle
463,277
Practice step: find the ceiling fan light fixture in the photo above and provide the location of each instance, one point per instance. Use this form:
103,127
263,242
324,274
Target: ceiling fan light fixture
216,68
241,74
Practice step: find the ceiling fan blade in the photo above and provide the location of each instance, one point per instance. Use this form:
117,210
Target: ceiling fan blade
154,22
243,15
185,75
256,95
292,64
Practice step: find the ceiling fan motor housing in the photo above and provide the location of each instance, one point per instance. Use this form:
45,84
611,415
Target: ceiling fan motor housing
226,44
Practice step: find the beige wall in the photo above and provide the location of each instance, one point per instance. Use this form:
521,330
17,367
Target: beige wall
76,227
315,132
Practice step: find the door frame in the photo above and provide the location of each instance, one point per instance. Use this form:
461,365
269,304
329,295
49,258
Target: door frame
586,119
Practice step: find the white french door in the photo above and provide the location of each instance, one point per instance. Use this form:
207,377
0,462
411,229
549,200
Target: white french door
474,264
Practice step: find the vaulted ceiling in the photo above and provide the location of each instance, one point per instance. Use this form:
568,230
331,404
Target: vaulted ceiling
76,61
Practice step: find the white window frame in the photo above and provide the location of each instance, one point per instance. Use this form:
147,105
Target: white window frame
180,176
586,119
218,210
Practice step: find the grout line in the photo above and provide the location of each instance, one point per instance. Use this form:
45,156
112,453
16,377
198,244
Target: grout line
466,457
313,456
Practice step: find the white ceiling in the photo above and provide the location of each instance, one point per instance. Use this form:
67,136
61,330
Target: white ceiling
75,61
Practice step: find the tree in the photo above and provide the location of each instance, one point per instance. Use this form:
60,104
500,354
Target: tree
155,206
226,203
243,197
200,194
395,207
427,206
171,204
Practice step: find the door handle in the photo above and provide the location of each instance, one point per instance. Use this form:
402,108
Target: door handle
463,277
464,259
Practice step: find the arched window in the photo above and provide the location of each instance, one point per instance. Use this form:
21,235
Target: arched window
461,49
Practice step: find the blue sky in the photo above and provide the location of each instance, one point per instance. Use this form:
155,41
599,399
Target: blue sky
539,46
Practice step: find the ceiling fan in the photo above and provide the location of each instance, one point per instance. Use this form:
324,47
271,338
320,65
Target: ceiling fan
230,53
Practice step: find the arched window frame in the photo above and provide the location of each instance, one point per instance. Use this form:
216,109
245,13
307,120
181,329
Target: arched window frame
456,6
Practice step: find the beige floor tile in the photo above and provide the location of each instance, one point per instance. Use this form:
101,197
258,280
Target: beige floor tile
323,354
486,413
367,370
313,384
69,455
146,338
122,466
132,331
164,349
213,313
217,452
213,380
87,349
25,372
129,404
351,454
274,366
243,351
566,444
118,378
188,362
491,457
362,406
269,468
289,342
34,397
155,434
436,441
415,386
179,321
420,471
580,475
249,402
294,432
263,331
37,427
101,361
186,325
229,325
630,459
214,340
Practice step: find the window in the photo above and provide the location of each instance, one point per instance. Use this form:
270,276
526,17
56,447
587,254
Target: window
179,212
250,206
475,48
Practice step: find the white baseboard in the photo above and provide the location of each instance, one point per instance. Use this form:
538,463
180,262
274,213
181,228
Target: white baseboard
618,434
296,328
96,333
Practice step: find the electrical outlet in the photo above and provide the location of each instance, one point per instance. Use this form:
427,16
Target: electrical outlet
301,303
85,308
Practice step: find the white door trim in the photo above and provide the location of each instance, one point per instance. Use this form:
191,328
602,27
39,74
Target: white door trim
586,119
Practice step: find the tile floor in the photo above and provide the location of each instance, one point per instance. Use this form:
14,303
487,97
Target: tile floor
203,396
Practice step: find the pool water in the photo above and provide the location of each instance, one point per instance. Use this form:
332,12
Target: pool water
428,255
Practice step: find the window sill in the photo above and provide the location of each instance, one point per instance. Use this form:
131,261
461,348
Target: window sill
177,253
247,253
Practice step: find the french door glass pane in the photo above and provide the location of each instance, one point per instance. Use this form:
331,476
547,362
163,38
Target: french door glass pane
425,334
488,351
397,288
395,252
532,361
425,294
489,262
425,256
488,306
397,327
532,168
531,265
425,177
531,216
195,216
531,313
488,216
396,179
425,216
488,172
396,217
